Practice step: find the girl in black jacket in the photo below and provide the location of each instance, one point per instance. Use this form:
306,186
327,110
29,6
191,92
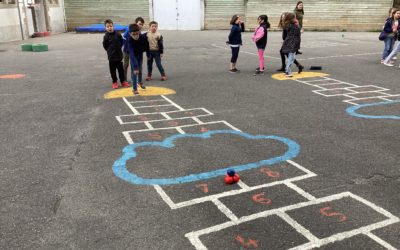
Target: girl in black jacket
235,40
292,40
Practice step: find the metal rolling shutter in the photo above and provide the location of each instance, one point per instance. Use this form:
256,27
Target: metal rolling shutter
86,12
218,13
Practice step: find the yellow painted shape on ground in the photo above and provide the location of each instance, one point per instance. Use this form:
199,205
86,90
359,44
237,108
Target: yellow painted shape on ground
149,91
281,76
16,76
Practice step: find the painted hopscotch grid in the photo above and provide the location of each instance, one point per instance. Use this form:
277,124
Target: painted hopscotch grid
356,94
313,241
281,212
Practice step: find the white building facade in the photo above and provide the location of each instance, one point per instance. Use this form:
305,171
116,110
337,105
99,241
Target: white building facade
22,18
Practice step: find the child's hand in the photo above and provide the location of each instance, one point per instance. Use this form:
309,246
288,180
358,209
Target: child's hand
136,72
161,55
302,30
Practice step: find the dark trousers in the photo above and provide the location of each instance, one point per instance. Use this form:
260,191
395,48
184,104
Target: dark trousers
137,78
283,59
116,66
235,54
154,55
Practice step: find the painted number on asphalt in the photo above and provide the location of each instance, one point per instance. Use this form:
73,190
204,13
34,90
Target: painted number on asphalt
203,187
324,212
260,198
270,173
249,243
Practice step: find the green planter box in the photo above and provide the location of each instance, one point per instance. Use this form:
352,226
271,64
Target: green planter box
26,47
39,47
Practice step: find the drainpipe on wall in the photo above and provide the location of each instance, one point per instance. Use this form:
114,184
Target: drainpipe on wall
46,15
65,17
20,21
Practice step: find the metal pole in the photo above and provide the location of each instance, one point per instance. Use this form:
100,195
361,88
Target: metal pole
20,21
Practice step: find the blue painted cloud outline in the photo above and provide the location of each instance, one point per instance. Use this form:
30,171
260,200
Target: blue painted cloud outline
129,152
353,111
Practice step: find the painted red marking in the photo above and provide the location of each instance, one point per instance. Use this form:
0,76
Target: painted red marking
156,136
173,123
189,113
259,199
16,76
203,187
203,129
270,173
249,244
324,212
142,118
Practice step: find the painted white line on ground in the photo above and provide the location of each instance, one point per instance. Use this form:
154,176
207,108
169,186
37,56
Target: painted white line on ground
127,137
238,191
339,56
119,120
167,118
130,106
151,106
243,185
225,210
315,242
180,130
173,103
182,126
299,228
250,53
345,235
157,100
165,197
300,191
380,241
149,125
197,120
301,168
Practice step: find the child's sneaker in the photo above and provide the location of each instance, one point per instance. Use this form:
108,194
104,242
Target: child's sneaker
125,84
259,72
301,67
163,78
288,75
388,64
141,85
135,92
233,70
115,85
148,78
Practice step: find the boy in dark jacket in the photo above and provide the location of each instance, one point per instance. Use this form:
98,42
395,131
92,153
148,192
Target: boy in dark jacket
112,43
137,44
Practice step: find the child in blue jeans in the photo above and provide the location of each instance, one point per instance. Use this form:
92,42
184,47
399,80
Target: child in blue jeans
137,44
156,50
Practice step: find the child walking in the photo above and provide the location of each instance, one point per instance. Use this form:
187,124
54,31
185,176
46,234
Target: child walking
156,51
292,41
392,29
283,55
112,43
137,44
235,40
260,37
140,22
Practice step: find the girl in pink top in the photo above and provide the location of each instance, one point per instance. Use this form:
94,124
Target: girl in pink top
260,38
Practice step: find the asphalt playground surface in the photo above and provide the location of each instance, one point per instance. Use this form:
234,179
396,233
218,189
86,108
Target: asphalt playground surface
79,171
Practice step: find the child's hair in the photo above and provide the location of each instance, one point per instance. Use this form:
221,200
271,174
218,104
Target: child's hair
394,10
153,22
234,18
297,7
139,19
133,27
265,20
280,24
108,21
288,19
